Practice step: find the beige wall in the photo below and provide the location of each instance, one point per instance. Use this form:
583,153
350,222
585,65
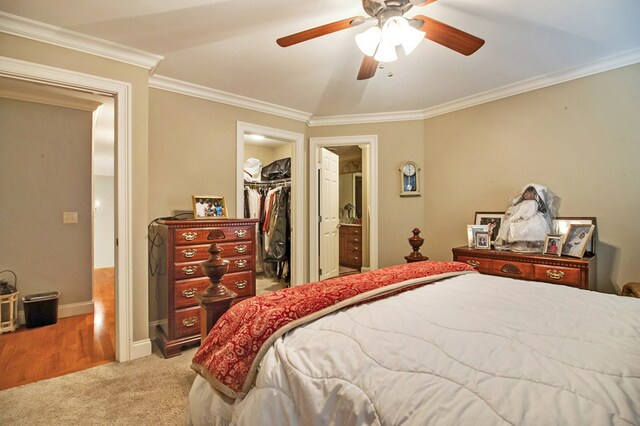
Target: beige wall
46,54
397,216
581,139
193,149
46,254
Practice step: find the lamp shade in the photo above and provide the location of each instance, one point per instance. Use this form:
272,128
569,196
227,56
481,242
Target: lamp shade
411,38
386,50
368,41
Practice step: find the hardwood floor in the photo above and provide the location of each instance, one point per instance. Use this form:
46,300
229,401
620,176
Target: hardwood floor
72,344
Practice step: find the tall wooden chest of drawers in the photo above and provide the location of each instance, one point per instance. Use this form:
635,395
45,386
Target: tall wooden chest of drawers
179,248
351,245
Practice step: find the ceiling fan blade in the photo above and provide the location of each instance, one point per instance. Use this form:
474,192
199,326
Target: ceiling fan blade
421,2
319,31
368,68
449,36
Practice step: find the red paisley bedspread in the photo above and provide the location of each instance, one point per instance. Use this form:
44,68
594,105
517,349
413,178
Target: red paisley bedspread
230,355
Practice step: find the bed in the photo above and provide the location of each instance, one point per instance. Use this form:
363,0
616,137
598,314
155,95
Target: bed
463,348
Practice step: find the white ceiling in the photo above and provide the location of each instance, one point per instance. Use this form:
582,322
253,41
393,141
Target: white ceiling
229,45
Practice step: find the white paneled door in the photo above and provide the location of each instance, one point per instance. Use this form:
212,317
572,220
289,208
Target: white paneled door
329,215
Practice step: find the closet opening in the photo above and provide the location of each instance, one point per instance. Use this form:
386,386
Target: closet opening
267,196
270,163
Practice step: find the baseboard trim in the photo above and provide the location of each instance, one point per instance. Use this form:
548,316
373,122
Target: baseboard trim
68,310
140,349
152,329
365,269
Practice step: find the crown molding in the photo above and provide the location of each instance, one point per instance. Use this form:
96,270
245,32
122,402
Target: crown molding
627,58
335,120
189,89
38,31
621,60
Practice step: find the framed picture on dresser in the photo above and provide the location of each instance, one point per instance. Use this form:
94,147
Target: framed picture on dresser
561,226
209,207
493,220
576,239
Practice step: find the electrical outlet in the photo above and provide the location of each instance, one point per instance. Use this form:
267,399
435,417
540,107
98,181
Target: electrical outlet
70,217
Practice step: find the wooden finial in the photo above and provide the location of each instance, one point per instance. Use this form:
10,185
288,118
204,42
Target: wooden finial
416,242
216,299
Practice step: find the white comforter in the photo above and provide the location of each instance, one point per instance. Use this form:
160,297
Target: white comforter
473,349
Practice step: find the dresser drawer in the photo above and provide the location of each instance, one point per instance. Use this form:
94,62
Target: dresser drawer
557,274
352,231
241,283
190,253
238,248
239,264
187,321
513,269
481,265
354,258
204,235
187,270
185,291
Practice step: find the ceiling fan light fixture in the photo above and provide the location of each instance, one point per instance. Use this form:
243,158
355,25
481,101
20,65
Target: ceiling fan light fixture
369,40
386,50
411,38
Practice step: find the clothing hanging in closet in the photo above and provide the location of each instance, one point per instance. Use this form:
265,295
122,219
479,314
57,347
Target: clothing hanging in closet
270,202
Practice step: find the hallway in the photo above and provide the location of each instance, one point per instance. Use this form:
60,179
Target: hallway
72,344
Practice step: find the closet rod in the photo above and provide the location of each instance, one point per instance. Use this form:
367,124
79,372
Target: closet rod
270,182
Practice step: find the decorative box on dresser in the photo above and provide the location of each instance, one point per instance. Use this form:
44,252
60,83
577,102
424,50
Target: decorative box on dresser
563,270
351,245
180,246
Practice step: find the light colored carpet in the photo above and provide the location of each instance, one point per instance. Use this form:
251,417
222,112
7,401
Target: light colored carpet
147,391
267,285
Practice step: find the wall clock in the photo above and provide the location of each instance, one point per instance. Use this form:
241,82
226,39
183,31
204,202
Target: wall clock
409,179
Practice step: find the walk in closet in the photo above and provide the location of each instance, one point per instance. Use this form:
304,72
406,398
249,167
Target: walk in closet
267,197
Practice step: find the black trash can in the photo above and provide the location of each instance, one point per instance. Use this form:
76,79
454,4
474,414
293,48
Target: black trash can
41,309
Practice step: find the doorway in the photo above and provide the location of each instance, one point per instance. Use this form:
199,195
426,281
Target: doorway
269,143
125,348
368,145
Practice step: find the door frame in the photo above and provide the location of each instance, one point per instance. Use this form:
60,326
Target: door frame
372,181
297,184
121,91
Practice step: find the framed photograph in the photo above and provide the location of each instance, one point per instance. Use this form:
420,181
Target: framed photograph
482,240
209,207
553,245
472,230
409,179
493,220
576,239
560,225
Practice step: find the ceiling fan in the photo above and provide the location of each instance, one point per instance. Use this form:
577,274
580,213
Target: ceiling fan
379,43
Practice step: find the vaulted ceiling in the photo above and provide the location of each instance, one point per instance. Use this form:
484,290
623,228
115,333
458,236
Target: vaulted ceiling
229,46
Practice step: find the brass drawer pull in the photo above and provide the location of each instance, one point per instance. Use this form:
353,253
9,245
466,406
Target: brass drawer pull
241,284
241,248
189,270
189,293
189,236
555,275
240,263
473,263
190,322
240,233
189,253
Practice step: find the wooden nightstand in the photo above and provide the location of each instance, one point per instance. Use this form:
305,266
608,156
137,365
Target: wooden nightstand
569,271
